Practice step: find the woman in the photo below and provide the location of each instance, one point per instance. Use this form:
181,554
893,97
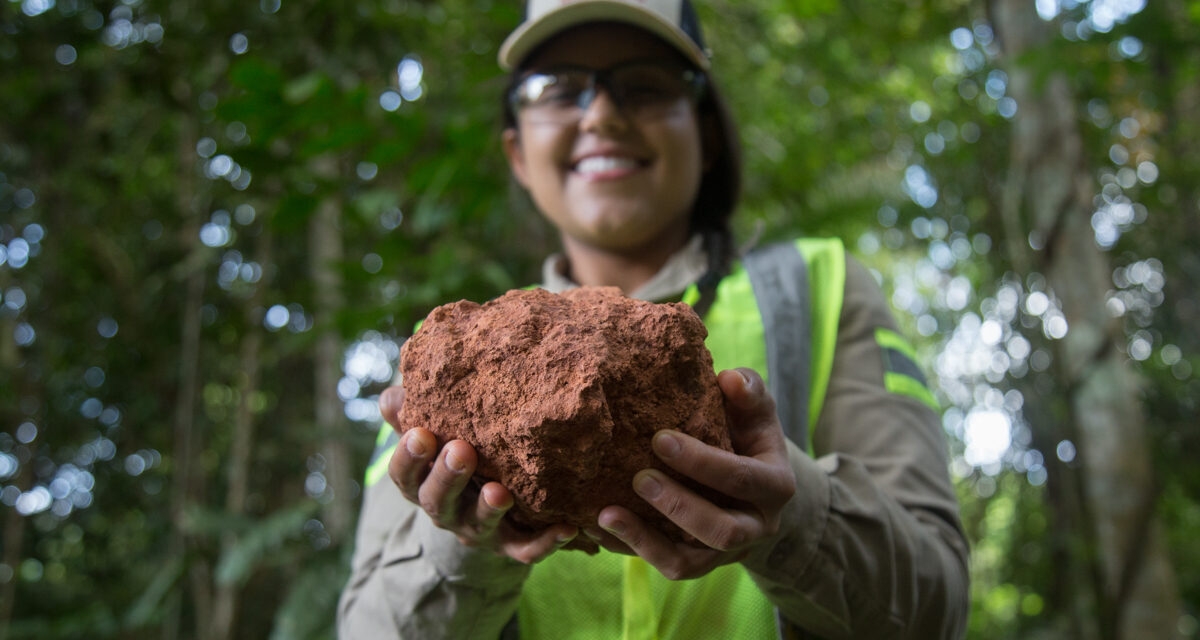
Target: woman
619,136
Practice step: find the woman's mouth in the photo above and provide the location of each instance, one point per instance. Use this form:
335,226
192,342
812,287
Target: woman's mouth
600,167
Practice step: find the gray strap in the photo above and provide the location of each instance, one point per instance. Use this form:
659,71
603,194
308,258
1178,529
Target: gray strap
779,278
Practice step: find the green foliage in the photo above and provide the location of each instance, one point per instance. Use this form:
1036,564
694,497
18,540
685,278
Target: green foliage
259,540
304,612
149,606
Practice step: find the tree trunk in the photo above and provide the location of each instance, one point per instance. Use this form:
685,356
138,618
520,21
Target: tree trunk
1049,191
1068,615
325,251
14,523
241,450
14,538
185,445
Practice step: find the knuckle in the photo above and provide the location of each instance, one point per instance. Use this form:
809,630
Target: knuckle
432,503
634,538
442,482
742,478
431,507
675,571
783,486
672,506
727,536
397,475
523,553
771,527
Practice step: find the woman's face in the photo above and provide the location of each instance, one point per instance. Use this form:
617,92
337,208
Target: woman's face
621,181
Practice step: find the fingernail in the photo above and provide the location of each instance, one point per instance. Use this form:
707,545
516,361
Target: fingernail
745,380
414,446
497,507
453,463
616,527
563,538
647,486
594,534
666,444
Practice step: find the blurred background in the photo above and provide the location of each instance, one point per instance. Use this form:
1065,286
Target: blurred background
217,218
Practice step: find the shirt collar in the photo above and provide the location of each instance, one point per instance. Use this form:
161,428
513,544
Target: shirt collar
682,269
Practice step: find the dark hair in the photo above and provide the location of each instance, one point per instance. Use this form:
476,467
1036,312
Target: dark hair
720,185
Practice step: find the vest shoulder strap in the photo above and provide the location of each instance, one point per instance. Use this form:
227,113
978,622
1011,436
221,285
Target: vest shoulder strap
779,277
798,289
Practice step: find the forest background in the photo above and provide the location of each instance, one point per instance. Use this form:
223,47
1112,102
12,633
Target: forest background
217,218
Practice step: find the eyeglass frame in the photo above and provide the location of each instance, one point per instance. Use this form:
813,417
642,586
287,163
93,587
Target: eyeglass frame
695,81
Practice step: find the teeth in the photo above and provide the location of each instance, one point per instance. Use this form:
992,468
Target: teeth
597,164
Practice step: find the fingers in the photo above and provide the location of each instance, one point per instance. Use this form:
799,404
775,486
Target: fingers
713,526
438,483
674,561
764,481
494,501
410,461
608,541
390,403
754,426
534,548
440,492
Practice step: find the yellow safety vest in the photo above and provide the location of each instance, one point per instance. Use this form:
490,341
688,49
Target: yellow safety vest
573,596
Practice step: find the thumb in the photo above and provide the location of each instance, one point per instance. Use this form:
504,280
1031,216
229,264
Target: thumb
390,403
753,423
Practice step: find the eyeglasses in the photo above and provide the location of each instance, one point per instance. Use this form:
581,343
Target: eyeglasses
640,88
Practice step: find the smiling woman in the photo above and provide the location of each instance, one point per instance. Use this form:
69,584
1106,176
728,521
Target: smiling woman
614,167
833,515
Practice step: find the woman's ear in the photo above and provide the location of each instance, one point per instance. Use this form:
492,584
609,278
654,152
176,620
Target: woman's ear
515,155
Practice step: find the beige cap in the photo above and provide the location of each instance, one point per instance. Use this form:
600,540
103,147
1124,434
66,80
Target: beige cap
672,20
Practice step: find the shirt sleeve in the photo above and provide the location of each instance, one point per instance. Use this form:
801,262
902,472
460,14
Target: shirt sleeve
871,546
411,579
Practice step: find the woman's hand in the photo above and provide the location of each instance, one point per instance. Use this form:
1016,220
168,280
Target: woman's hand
757,476
440,483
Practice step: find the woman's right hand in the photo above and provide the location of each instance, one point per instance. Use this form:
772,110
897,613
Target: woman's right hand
440,483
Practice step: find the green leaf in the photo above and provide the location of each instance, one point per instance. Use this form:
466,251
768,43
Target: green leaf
431,214
255,75
372,203
496,276
303,88
148,606
809,8
294,210
310,606
239,561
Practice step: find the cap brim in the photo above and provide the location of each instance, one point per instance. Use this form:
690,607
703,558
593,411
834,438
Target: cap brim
521,42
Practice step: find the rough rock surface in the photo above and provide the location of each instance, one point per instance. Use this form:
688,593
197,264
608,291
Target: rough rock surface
560,395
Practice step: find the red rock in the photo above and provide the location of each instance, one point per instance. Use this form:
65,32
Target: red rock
560,395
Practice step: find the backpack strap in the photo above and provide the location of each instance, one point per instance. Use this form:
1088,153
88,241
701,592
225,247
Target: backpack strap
779,277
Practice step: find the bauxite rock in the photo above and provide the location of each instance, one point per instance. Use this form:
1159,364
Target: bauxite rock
560,395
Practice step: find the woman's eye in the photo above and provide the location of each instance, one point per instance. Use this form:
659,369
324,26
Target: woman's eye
640,93
558,94
557,89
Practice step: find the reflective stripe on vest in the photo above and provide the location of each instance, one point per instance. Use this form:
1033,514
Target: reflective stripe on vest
574,596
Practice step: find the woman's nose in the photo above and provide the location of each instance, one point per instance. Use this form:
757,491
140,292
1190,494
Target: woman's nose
602,113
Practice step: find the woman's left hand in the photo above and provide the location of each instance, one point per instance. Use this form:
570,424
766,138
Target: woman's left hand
757,475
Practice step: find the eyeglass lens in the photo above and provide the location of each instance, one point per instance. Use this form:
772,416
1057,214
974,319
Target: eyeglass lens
639,89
